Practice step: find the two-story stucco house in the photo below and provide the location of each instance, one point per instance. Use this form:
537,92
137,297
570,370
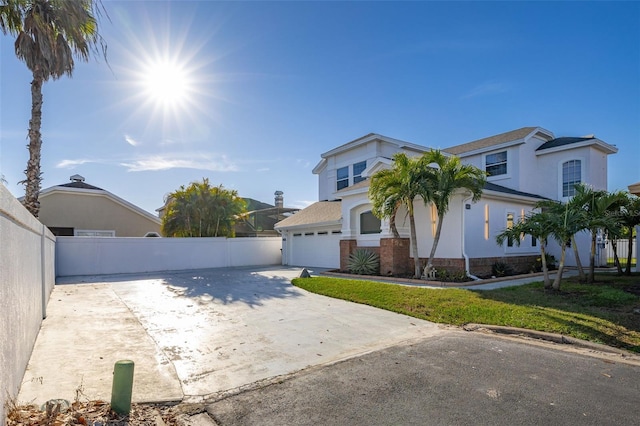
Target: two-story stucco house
524,166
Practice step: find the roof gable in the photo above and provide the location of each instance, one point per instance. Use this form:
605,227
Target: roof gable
518,135
371,137
81,188
558,144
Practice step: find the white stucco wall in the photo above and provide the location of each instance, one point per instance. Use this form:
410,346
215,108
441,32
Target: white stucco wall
365,152
97,256
481,244
26,281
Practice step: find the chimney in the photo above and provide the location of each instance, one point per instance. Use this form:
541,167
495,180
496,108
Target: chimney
279,199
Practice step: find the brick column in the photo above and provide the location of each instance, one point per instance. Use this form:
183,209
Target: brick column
394,256
346,247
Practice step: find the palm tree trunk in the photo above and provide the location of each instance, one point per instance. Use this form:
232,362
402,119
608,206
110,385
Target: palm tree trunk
32,182
414,244
556,281
616,259
592,257
436,239
627,269
545,268
392,224
581,274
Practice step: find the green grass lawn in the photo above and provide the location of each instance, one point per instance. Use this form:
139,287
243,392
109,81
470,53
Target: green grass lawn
601,312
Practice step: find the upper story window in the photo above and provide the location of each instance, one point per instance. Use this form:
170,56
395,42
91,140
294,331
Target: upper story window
571,175
369,224
358,168
342,178
496,163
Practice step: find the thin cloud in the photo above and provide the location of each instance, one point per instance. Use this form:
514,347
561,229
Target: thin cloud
304,163
70,164
486,88
195,161
131,141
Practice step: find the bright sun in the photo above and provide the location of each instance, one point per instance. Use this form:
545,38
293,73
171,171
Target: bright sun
166,83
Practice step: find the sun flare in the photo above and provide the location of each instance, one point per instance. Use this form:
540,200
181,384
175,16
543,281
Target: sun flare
166,83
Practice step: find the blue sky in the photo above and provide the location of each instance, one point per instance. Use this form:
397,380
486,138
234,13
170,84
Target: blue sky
258,90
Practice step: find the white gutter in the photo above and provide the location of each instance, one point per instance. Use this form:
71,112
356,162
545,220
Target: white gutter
464,253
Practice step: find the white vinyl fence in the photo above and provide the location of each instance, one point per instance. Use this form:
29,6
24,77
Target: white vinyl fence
98,256
26,281
622,249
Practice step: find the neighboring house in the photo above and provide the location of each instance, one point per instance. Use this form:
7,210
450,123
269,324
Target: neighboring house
260,217
524,167
80,209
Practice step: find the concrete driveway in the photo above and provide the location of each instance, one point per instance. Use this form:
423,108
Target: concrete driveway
196,333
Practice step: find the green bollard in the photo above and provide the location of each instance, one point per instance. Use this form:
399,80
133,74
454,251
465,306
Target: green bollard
122,386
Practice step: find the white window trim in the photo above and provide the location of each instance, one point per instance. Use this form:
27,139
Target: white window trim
583,164
353,170
507,247
348,178
509,164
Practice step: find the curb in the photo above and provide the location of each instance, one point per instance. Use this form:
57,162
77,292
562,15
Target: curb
551,337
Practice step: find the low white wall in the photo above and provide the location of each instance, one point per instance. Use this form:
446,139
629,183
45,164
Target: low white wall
27,251
97,256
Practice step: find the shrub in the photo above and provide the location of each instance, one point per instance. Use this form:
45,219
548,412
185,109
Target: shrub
551,263
363,262
455,276
501,269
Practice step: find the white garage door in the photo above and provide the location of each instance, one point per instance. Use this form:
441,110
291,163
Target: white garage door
315,249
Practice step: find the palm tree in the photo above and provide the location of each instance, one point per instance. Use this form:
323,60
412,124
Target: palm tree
630,218
200,210
11,16
599,206
49,33
540,226
395,187
563,222
439,183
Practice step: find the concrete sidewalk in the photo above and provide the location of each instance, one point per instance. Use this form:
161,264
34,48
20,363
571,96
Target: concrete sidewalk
197,333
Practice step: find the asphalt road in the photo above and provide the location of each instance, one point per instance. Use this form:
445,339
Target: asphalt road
456,378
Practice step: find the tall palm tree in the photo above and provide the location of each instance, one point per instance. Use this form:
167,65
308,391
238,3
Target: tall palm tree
49,33
441,176
398,186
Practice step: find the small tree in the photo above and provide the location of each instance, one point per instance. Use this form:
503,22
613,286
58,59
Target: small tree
538,225
630,218
441,176
395,187
200,210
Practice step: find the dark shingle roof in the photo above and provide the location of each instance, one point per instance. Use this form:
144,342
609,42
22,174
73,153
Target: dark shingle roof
499,188
561,142
80,185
